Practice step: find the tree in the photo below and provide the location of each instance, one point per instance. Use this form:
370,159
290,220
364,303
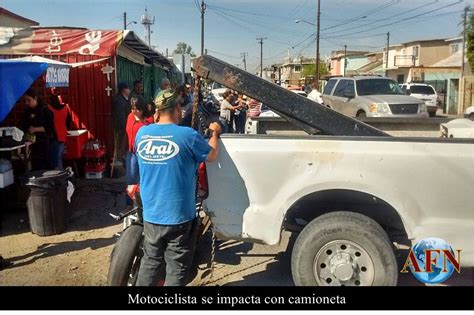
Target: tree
183,48
470,39
310,69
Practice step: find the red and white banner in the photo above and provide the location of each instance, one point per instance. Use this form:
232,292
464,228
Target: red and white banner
59,41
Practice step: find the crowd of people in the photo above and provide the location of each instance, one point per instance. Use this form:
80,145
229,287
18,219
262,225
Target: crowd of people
234,110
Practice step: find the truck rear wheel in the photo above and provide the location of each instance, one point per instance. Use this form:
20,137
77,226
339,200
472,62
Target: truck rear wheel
343,249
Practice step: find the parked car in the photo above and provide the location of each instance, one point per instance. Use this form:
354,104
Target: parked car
316,96
424,92
364,96
469,112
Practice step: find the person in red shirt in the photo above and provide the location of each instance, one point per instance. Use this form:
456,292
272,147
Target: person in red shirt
62,122
139,116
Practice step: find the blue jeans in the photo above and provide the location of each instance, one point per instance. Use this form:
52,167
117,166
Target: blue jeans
56,155
169,245
131,172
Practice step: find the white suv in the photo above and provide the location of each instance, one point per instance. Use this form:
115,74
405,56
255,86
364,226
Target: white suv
425,93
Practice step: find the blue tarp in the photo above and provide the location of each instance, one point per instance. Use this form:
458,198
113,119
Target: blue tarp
15,78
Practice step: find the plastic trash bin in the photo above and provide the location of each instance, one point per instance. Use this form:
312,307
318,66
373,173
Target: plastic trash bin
47,201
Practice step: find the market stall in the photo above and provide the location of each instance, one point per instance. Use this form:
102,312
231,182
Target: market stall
16,76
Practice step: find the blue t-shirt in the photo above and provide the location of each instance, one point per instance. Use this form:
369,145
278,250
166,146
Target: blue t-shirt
168,157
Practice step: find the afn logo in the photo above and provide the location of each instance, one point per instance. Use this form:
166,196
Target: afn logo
157,150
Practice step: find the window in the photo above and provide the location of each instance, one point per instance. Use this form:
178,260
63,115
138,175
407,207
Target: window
422,89
329,87
454,48
297,68
400,78
378,87
416,51
344,87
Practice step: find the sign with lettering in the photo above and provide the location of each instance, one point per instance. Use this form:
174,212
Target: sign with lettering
57,77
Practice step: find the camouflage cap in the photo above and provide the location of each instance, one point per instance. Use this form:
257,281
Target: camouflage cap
167,100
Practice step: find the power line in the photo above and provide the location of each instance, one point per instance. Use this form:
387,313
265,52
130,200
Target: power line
222,54
393,23
364,15
272,28
198,7
384,19
293,46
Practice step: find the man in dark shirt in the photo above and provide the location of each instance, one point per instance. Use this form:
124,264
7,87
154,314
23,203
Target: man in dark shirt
120,110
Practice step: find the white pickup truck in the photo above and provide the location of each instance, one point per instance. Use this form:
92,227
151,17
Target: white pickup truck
351,199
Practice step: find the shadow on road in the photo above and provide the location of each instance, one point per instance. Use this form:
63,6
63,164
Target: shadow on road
54,249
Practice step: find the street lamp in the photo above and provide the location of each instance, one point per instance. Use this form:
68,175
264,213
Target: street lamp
133,22
304,21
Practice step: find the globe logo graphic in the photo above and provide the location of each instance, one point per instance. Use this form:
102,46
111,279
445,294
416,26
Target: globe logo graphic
438,274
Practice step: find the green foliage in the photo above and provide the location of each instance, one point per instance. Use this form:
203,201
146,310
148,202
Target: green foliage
470,39
310,70
183,48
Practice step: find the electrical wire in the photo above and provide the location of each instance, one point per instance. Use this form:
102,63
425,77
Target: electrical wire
364,15
384,19
393,23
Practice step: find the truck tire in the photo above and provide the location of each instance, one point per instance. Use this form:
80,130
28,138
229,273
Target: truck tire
343,249
125,258
361,114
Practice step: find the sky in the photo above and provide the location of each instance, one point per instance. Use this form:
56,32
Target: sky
233,26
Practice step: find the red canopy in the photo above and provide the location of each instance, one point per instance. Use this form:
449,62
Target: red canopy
59,41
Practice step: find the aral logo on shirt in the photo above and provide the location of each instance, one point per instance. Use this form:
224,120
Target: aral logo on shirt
157,149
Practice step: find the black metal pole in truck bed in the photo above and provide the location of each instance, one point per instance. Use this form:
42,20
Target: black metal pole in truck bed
304,113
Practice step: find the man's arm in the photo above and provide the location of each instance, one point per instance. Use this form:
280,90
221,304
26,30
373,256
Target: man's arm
214,142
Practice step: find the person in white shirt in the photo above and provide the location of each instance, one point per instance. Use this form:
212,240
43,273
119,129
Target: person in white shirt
226,111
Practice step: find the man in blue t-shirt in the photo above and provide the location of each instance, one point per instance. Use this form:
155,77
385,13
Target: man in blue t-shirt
168,157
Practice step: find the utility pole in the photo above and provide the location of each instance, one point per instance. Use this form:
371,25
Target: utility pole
387,50
243,55
318,16
203,11
125,20
260,40
463,67
345,59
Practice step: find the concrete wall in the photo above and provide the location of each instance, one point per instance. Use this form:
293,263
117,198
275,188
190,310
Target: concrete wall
336,66
354,62
431,53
